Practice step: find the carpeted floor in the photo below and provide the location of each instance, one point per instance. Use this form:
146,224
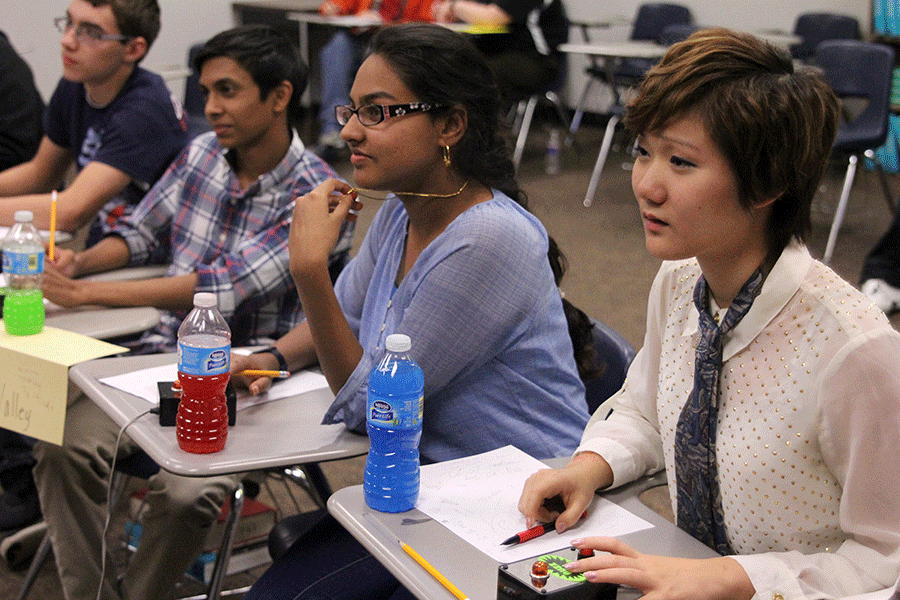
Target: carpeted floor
609,271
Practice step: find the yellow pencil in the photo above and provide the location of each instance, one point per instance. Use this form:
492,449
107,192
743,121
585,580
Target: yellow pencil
416,557
259,373
52,222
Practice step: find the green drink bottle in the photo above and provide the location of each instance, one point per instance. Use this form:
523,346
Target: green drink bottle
23,265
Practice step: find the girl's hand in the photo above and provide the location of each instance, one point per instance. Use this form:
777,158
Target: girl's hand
316,225
662,577
575,484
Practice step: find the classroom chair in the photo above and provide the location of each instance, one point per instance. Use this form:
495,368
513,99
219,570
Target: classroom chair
859,72
649,23
815,28
614,355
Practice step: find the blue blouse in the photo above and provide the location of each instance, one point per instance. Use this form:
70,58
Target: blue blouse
487,327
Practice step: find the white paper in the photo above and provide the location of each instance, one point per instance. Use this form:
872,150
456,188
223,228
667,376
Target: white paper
477,499
142,384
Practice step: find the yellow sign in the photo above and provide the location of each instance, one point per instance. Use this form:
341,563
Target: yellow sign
34,377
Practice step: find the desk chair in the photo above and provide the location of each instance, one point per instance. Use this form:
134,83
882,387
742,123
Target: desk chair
815,28
858,72
525,113
614,355
649,24
194,105
548,93
136,465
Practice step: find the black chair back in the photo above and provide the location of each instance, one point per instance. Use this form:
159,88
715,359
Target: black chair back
859,73
614,355
652,19
815,28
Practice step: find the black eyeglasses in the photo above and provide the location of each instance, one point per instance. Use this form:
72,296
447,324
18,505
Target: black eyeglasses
86,32
373,114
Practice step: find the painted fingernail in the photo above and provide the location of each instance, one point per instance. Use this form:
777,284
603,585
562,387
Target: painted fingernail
577,541
570,566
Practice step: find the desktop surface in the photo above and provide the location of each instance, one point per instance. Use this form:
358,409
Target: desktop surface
270,434
472,571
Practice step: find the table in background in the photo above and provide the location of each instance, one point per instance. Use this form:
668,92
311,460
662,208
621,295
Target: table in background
278,433
612,54
472,571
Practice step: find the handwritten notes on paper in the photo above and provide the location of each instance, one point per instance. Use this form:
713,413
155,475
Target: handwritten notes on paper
34,376
477,498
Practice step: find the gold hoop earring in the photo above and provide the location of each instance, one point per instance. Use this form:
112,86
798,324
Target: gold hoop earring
447,155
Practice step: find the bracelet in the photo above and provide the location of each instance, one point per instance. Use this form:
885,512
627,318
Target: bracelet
282,363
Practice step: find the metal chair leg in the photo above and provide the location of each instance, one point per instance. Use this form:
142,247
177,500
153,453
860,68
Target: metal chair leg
841,208
601,158
221,566
523,131
37,562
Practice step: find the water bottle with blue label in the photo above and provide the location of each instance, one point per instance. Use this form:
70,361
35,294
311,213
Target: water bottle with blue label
204,362
394,422
23,269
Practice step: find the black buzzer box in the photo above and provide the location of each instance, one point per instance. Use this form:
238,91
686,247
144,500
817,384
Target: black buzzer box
545,578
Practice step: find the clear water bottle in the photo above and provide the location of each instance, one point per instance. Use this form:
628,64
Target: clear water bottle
23,267
204,360
553,153
394,422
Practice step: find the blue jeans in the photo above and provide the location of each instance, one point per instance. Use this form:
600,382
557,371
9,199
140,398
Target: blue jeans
340,59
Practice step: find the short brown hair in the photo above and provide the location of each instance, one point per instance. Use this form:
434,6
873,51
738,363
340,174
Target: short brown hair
774,124
135,18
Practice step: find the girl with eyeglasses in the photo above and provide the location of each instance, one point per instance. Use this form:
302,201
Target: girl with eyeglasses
453,259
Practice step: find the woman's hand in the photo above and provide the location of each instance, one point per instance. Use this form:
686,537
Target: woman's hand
661,577
575,484
316,225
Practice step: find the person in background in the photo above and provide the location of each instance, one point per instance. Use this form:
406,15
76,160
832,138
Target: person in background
880,279
342,55
21,111
117,124
21,108
767,387
525,58
453,259
223,213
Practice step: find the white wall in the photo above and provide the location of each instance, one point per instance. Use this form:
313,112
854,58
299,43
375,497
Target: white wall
29,26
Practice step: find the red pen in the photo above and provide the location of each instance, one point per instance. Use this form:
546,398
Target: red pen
530,534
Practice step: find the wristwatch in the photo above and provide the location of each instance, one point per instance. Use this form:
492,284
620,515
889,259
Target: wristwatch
282,363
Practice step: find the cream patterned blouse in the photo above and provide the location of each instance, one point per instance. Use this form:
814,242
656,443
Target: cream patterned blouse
808,431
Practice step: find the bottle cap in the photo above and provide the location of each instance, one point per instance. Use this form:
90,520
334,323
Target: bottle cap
23,216
205,299
397,342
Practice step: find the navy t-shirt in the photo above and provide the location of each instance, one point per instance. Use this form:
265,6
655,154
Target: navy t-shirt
139,133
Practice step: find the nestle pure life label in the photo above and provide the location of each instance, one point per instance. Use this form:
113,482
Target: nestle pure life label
204,361
402,414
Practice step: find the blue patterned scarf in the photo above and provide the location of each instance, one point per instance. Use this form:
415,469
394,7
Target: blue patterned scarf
699,501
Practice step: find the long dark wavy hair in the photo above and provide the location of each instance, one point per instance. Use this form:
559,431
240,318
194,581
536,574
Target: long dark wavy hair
444,67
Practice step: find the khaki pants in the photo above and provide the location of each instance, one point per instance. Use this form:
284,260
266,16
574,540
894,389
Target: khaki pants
72,484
